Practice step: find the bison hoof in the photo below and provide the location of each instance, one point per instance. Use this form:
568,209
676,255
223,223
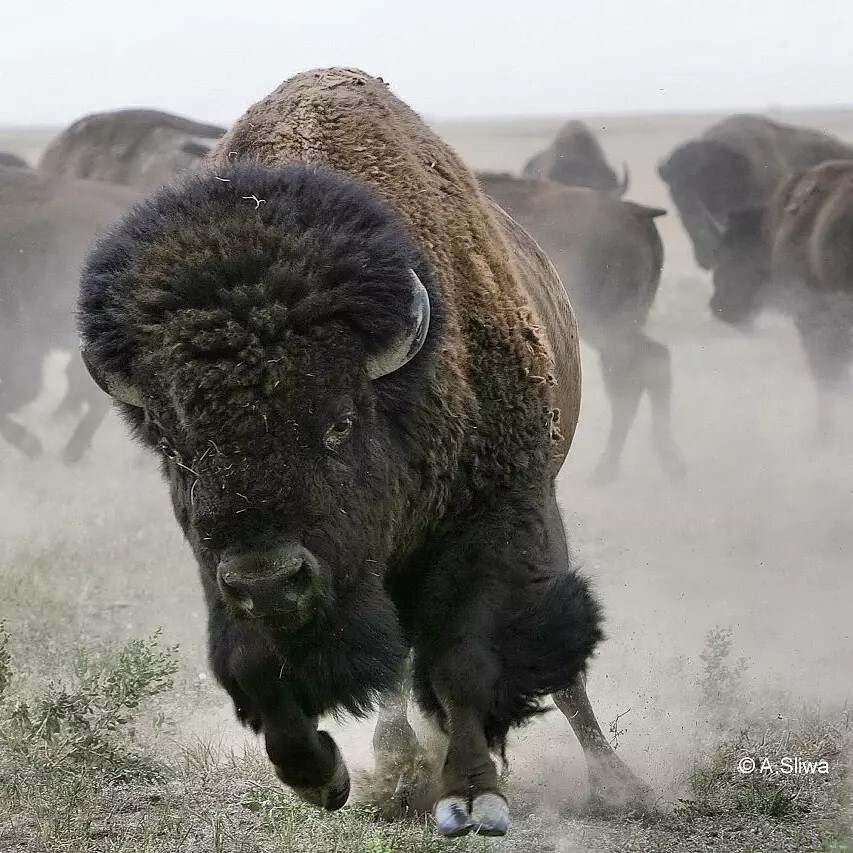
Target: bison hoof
616,789
334,794
488,815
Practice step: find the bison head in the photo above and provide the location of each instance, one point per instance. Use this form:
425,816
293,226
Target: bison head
742,268
269,332
707,182
576,159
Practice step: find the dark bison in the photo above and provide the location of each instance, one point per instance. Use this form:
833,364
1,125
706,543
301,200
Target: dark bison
609,256
139,148
796,254
12,161
46,227
361,379
575,158
736,165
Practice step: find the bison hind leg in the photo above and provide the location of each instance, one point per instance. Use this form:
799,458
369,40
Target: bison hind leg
404,780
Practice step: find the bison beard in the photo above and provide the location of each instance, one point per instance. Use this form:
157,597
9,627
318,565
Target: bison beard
348,496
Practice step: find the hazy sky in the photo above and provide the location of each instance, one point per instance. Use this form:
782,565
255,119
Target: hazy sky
210,59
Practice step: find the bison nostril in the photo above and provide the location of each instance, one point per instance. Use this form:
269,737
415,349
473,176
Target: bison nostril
233,587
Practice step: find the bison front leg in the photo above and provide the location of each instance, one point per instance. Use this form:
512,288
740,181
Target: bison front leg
471,798
305,759
457,674
614,787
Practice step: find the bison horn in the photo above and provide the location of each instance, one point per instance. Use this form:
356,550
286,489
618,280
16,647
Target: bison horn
119,389
407,346
626,180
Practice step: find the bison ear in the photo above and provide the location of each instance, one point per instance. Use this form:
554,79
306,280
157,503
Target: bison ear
118,388
407,345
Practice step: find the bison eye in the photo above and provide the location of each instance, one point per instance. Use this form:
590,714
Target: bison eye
338,432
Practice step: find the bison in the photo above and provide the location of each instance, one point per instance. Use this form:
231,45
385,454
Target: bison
575,158
362,380
737,165
794,253
609,255
46,226
137,148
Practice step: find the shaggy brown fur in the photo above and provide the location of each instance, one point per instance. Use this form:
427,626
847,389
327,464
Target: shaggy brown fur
137,148
609,256
244,306
46,226
350,122
575,158
811,223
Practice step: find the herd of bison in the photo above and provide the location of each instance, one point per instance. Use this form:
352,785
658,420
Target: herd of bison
768,208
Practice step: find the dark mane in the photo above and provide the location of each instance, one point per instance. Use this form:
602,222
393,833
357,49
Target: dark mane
263,250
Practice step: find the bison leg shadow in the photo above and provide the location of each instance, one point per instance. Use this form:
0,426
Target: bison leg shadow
631,365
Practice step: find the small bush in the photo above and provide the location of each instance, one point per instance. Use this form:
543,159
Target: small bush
86,724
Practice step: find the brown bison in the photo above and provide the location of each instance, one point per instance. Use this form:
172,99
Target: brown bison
361,380
737,165
575,158
46,226
138,148
609,256
796,254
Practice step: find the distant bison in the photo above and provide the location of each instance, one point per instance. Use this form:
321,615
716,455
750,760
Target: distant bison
362,380
736,165
46,226
12,161
575,158
609,256
139,148
796,254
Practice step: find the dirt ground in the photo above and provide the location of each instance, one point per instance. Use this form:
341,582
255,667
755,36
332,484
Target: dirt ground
757,540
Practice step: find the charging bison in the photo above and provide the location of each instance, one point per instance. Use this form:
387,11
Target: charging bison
796,254
737,165
362,380
575,158
609,255
138,148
